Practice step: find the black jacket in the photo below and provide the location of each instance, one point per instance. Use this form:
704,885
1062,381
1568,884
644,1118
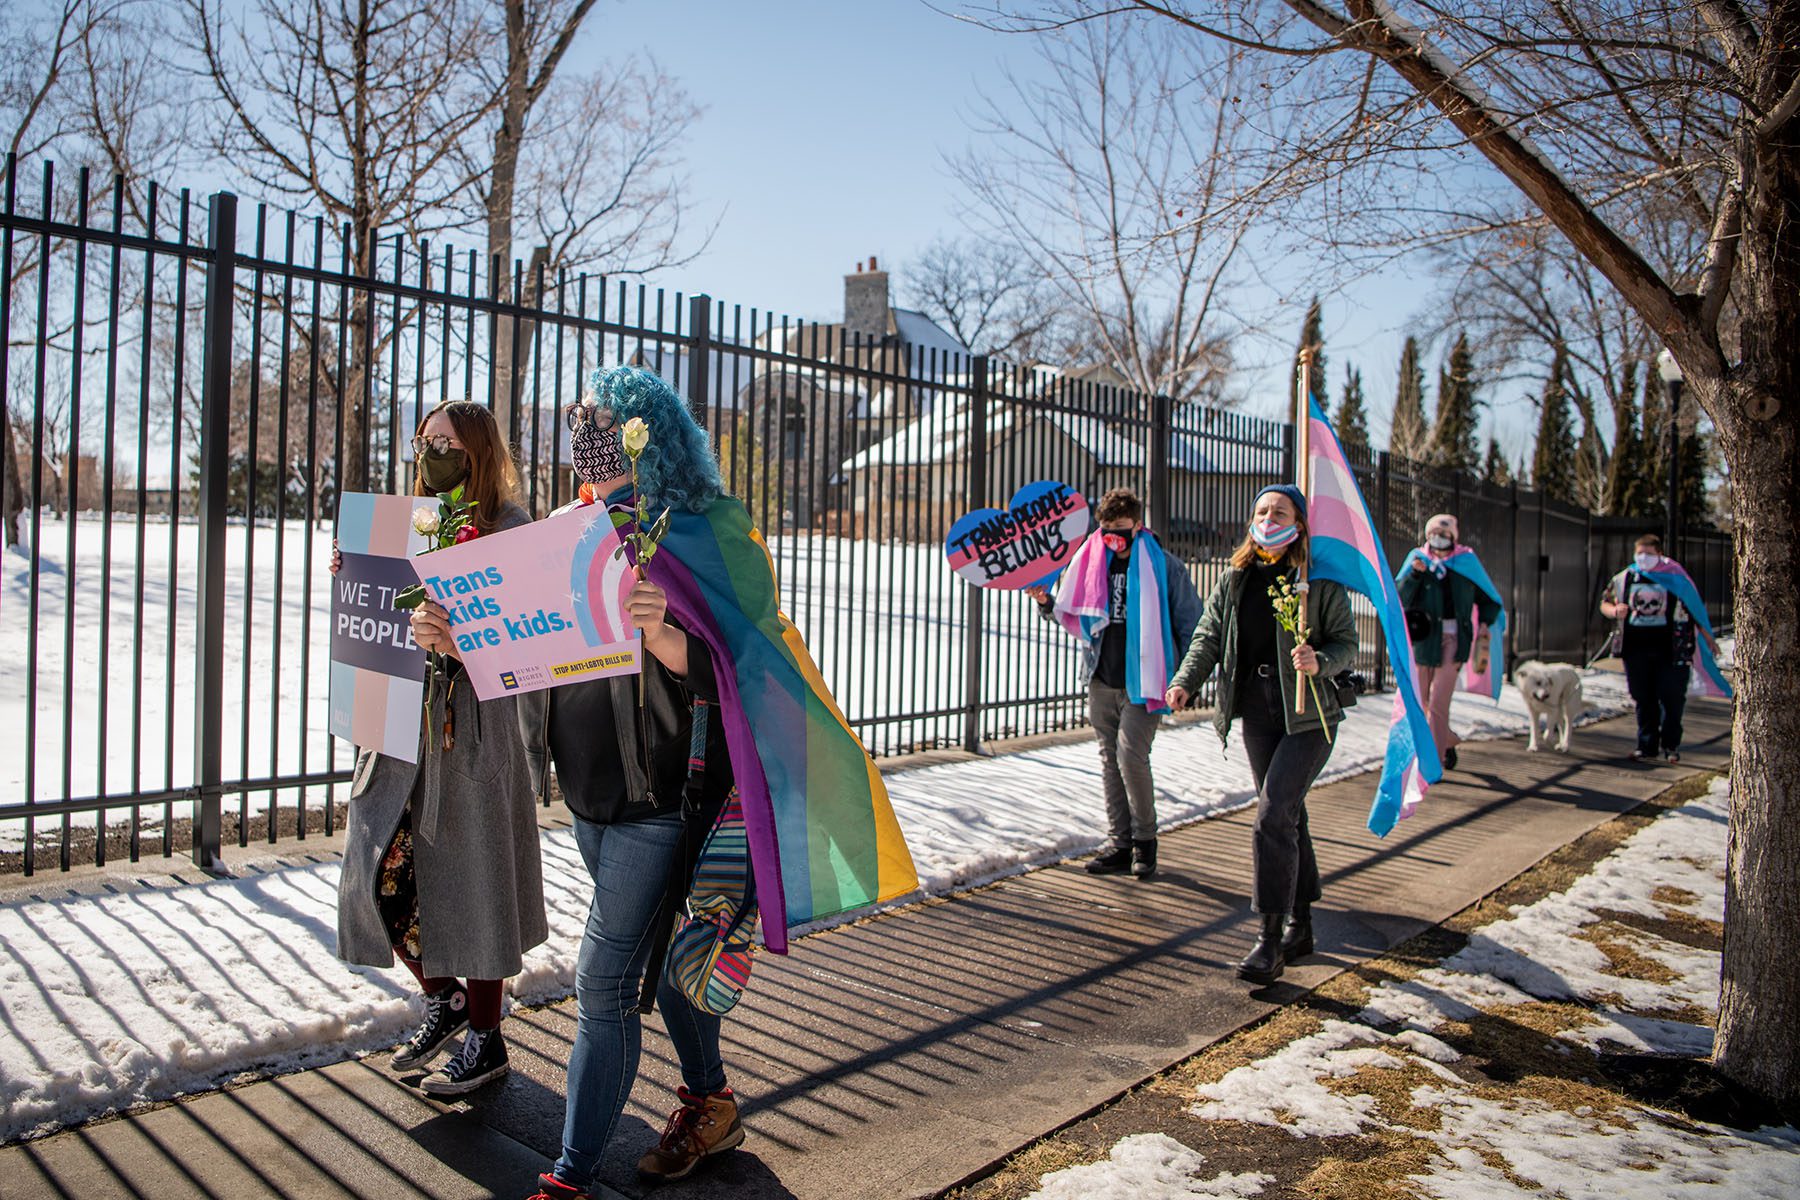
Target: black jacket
668,720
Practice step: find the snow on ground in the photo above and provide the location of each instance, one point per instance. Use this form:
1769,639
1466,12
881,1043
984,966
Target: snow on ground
121,999
1147,1164
1488,1149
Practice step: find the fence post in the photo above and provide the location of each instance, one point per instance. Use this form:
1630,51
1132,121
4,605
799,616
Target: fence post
1162,439
699,380
1383,475
977,498
1587,581
1543,567
215,428
1512,627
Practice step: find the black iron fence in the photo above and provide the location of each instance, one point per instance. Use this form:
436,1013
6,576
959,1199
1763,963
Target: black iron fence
187,398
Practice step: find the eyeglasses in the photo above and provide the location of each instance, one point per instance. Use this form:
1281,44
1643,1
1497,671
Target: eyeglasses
438,444
578,415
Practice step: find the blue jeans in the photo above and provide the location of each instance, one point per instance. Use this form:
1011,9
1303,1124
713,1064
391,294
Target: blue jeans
630,863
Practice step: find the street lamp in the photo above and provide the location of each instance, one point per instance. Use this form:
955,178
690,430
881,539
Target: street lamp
1670,370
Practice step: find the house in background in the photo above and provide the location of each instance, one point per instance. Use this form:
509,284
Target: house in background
823,391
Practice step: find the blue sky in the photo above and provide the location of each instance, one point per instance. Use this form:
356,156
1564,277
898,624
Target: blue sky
823,143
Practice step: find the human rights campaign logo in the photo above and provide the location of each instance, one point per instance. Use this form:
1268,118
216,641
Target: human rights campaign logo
509,681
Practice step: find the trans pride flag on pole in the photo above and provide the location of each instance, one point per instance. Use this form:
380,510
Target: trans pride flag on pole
1343,546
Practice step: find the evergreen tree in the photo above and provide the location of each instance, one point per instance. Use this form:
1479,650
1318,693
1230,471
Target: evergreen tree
1312,336
1453,436
1352,423
1496,470
1624,483
1553,464
1409,435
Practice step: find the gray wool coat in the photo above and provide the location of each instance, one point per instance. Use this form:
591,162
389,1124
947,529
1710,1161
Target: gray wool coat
475,842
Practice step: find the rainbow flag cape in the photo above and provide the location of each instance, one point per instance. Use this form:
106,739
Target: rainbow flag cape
1708,680
1081,608
1463,561
1344,547
823,838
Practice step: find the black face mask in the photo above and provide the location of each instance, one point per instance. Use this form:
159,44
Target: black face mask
440,472
598,454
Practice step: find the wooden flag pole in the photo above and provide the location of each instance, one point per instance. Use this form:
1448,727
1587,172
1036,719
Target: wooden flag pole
1303,469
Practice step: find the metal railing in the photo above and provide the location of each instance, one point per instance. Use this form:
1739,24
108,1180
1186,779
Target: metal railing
193,405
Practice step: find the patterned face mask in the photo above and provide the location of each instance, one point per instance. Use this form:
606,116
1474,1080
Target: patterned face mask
1271,536
598,454
1118,542
1441,541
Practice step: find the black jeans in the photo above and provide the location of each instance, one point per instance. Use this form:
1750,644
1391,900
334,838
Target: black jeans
1285,871
1658,686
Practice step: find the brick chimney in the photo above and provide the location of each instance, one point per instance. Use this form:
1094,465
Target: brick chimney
866,305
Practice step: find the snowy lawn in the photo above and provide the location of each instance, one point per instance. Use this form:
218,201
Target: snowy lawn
1412,1096
121,999
885,623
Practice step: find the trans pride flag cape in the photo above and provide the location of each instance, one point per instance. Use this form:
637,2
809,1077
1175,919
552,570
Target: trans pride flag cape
1343,546
1708,680
823,839
1463,561
1081,604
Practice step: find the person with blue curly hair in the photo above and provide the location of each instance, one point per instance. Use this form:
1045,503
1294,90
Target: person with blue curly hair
639,816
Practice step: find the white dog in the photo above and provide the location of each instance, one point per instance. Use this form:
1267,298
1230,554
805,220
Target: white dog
1552,692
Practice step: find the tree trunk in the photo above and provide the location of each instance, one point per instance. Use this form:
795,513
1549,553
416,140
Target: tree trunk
12,503
1759,1001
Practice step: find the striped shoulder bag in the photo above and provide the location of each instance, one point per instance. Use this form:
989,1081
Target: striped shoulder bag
711,949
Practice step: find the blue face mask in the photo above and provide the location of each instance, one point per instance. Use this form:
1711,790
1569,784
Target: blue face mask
1647,562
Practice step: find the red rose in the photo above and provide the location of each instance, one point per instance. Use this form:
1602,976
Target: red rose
467,533
587,493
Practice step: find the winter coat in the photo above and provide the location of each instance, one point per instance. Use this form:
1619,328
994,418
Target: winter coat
475,840
1333,639
1424,591
668,718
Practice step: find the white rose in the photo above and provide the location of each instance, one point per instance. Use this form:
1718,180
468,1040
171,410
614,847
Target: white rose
425,521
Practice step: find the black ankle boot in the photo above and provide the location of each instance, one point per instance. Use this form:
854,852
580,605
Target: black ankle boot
1297,934
1263,965
1116,860
1143,857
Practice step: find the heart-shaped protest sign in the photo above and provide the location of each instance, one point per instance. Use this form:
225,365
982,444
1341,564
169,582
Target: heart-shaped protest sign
1023,544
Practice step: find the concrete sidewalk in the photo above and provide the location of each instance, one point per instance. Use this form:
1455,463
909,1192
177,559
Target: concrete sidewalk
898,1056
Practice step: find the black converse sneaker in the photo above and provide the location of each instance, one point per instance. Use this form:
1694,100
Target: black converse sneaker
482,1057
446,1015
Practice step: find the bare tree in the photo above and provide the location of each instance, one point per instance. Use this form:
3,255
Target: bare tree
1629,131
355,109
585,167
1124,176
990,297
76,88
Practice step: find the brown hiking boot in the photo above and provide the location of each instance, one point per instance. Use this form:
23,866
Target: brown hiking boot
702,1126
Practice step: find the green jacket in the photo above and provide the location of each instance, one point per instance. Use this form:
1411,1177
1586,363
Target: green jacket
1424,591
1333,639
